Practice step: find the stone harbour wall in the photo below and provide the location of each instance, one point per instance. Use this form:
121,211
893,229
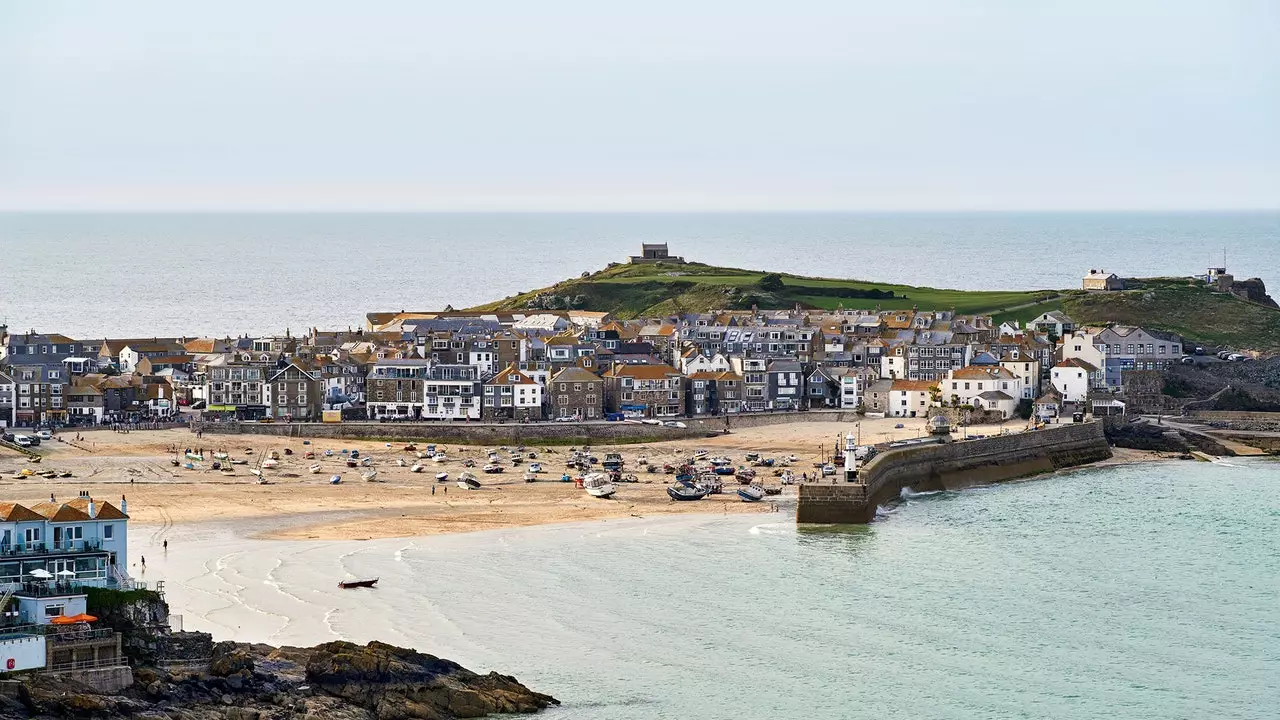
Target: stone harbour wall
469,433
951,466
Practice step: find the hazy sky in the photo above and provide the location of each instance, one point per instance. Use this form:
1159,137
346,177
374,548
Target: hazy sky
656,105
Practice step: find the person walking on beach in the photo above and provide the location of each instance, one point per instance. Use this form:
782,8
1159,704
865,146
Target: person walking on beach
166,546
144,562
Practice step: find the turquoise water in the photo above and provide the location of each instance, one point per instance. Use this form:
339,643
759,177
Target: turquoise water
260,273
1130,592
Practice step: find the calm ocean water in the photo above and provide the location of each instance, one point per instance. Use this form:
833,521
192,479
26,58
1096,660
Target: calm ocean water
1128,592
138,274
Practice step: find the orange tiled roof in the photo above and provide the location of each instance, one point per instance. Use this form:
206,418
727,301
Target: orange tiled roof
13,512
642,372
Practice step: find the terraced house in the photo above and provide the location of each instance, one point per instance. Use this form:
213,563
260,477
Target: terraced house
295,392
512,395
575,393
452,392
644,391
395,389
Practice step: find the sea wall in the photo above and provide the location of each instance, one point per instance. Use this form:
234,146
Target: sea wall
1235,416
749,420
951,466
469,433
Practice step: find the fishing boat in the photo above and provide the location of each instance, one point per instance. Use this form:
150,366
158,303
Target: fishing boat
439,457
370,476
493,468
270,463
681,491
745,475
598,485
721,460
401,463
723,470
410,448
417,468
442,477
530,477
612,461
711,482
773,491
751,493
221,456
315,469
309,455
788,478
352,462
350,584
535,467
335,480
467,481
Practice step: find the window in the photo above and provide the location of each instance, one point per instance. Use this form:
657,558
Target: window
54,609
31,535
108,532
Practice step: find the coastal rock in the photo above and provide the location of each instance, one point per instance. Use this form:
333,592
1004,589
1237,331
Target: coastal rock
334,681
401,684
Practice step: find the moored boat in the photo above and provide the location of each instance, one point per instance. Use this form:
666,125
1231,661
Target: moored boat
467,481
681,491
417,468
314,469
598,485
745,475
442,476
349,584
751,493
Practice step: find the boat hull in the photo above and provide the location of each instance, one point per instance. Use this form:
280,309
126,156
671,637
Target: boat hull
687,495
348,585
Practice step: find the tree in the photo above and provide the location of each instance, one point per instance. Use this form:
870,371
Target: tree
771,283
1025,408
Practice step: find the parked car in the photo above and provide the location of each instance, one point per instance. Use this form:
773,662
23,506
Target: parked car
567,418
1188,360
44,435
1199,350
615,417
1237,357
22,440
7,436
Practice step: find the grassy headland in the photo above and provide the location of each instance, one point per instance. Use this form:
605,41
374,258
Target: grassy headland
631,291
1171,304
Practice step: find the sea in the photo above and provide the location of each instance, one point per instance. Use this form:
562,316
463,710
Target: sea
1147,591
138,275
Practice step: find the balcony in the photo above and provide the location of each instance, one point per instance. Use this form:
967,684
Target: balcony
50,548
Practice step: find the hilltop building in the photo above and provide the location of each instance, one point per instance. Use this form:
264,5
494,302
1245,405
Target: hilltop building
654,253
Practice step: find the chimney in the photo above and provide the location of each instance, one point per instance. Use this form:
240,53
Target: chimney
124,505
93,509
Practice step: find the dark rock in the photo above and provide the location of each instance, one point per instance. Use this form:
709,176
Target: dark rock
228,658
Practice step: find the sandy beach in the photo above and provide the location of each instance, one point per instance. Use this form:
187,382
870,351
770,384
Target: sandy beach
300,505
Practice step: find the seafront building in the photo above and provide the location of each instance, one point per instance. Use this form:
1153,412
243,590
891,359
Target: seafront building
545,364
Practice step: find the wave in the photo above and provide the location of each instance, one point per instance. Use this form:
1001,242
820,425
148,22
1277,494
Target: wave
907,493
773,529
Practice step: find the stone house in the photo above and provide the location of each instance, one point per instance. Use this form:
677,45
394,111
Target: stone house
295,392
644,391
511,395
1102,281
575,393
394,389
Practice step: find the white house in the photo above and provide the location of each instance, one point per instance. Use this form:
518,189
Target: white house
695,362
850,391
512,394
1071,378
966,385
1027,370
50,550
909,398
997,401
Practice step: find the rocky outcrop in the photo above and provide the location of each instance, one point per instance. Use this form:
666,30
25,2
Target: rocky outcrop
1253,290
334,681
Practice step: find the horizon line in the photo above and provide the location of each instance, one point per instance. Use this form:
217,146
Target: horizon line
794,211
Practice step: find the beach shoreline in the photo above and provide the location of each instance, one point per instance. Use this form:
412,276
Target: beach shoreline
299,505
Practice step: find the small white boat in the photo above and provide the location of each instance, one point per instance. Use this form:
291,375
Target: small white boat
792,458
751,493
400,462
423,454
787,478
417,468
467,481
255,471
535,467
599,485
270,463
439,457
442,476
335,479
369,476
315,469
530,477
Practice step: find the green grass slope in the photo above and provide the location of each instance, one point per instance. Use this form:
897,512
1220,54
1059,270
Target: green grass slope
1191,310
631,291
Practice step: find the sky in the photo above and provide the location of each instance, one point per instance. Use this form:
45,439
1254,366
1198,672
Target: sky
685,105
